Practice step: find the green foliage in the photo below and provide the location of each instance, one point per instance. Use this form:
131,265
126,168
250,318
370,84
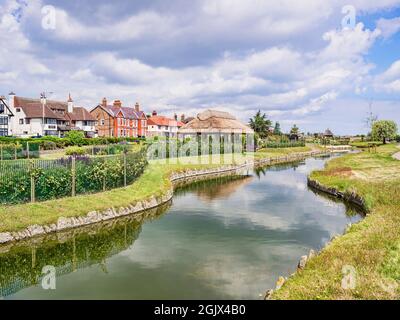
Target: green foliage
76,137
294,130
53,178
277,129
384,130
289,144
260,124
75,151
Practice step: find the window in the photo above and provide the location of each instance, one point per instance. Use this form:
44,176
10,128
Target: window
1,107
102,122
18,109
3,120
50,121
27,121
21,121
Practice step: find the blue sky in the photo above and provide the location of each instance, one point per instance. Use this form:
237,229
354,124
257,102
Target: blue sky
292,60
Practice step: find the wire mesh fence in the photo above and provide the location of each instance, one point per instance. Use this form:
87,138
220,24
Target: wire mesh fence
39,180
23,150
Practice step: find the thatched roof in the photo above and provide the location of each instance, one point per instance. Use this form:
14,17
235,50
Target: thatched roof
328,133
213,121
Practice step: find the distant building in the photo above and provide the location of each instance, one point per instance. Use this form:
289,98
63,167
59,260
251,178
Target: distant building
328,133
163,126
118,121
42,117
213,121
5,117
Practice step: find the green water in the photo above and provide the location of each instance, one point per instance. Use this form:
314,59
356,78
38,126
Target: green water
220,239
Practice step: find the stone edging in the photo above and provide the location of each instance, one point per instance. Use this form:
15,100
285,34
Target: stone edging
112,213
351,197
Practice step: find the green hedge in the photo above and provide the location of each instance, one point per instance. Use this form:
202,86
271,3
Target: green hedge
290,144
48,142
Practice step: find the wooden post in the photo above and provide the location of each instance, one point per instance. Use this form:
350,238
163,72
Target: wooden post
15,152
73,174
27,149
32,166
124,169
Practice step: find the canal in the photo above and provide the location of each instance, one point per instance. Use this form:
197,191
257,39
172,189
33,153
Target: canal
227,238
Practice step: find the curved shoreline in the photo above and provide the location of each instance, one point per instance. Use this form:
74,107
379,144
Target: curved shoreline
147,204
350,197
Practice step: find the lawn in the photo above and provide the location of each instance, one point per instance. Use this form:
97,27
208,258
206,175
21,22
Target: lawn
371,247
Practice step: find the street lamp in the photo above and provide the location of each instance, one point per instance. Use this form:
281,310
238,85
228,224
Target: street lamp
43,101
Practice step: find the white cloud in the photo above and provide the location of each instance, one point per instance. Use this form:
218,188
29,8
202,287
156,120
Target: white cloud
389,27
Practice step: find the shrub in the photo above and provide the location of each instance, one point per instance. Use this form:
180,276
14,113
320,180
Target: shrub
48,145
77,138
75,151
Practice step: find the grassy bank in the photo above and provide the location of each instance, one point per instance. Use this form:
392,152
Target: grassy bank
371,246
154,181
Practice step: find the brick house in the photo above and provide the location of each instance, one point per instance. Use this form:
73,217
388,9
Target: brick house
118,121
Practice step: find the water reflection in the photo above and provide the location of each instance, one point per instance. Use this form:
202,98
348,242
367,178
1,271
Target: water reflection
225,238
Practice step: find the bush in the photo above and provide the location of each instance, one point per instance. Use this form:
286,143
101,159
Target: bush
75,151
398,138
76,137
48,145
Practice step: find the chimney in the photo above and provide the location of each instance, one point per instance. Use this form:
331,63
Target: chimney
182,117
117,103
154,113
11,99
137,107
70,104
175,117
104,102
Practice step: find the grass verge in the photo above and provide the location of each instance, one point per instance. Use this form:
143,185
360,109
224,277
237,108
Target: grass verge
371,247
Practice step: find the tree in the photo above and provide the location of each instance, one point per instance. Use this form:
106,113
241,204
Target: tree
76,137
260,124
294,130
384,130
277,129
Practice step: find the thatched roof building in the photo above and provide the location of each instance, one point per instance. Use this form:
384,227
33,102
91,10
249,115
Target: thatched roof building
213,121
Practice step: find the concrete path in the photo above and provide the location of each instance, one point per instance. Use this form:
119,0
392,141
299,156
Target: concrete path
397,155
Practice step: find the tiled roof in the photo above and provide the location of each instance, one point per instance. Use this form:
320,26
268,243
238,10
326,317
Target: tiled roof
127,112
80,114
33,108
163,121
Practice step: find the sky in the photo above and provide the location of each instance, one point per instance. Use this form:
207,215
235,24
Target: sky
306,62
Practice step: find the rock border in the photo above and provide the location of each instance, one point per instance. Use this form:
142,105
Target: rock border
153,202
351,197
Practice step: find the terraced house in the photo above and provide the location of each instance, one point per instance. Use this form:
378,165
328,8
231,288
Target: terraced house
118,121
42,117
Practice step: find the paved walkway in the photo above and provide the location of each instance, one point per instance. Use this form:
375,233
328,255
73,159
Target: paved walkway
397,155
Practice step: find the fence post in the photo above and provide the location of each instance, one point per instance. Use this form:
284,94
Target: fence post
32,166
15,152
27,148
73,174
1,152
124,169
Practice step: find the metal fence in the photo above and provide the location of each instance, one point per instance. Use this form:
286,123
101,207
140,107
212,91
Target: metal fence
38,180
